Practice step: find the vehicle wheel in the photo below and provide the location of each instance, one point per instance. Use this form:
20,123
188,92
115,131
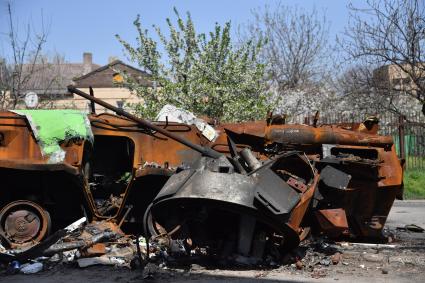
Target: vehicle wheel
24,223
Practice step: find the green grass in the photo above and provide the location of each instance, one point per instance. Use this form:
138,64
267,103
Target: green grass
414,184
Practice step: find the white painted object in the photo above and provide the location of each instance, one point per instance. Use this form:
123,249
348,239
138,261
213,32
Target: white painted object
172,113
103,260
31,100
70,256
367,245
74,226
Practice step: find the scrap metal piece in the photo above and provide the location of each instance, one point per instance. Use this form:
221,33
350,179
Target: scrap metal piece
252,162
96,250
296,184
75,225
332,222
35,251
274,193
334,178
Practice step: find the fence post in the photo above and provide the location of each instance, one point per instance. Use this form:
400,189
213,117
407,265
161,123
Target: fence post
401,137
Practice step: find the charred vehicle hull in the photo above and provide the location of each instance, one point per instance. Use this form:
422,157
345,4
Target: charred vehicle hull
116,175
360,173
129,165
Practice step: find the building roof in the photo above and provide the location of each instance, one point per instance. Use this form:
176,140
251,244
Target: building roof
103,76
51,78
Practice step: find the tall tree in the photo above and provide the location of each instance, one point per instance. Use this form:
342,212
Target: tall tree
390,32
296,49
205,74
297,56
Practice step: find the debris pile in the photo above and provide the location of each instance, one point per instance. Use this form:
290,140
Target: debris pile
98,242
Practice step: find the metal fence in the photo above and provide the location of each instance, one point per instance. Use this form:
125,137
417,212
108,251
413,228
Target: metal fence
408,132
409,138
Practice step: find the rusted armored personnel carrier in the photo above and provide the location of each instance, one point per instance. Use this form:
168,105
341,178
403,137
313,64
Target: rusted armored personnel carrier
120,170
360,173
255,181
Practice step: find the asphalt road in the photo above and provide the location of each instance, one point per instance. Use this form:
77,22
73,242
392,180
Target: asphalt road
407,212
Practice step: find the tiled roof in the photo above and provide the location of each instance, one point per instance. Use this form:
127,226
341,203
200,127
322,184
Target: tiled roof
51,78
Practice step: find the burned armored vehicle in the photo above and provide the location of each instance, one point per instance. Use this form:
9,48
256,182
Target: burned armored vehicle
335,180
108,170
360,173
117,167
235,205
259,199
40,182
256,185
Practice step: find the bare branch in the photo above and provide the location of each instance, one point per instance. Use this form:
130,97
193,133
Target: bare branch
391,32
26,54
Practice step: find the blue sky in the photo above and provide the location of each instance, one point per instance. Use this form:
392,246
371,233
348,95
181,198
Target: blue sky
76,26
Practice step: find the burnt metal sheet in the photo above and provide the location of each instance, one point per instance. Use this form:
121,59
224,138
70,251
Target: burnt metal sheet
262,196
334,178
274,193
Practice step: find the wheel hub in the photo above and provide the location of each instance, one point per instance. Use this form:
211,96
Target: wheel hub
22,225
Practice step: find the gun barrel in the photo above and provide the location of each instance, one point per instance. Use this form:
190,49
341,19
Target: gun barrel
203,150
301,134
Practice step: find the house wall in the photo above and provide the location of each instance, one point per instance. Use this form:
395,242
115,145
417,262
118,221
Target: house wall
393,76
109,95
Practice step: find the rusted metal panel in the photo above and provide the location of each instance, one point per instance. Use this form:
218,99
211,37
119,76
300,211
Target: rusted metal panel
333,222
19,149
150,146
